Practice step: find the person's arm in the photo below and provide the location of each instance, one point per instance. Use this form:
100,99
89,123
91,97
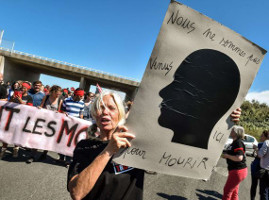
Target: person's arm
63,108
60,105
238,149
81,184
236,158
263,150
81,112
43,102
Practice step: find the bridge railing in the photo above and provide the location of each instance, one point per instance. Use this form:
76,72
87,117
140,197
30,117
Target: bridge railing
66,63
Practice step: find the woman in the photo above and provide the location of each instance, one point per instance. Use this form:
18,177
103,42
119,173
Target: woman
236,161
53,102
93,174
255,166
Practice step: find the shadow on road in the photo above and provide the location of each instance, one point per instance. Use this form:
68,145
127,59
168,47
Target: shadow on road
171,197
208,195
25,153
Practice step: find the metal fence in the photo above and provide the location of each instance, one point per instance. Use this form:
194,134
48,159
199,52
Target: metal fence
3,48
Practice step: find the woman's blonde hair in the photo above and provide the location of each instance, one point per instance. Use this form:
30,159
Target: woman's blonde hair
96,107
239,131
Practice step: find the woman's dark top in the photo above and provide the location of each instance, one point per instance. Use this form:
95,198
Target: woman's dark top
236,148
115,182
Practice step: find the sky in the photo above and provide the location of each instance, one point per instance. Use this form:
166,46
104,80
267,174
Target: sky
118,36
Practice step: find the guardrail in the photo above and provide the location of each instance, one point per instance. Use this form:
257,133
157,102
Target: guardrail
66,63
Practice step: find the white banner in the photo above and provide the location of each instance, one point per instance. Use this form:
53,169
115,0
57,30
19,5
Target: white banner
31,127
198,73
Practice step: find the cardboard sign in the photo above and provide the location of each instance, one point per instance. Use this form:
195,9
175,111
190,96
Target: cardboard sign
198,73
31,127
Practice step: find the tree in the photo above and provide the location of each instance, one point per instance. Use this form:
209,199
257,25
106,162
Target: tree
254,117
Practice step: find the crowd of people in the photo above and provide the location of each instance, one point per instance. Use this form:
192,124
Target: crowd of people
92,173
73,102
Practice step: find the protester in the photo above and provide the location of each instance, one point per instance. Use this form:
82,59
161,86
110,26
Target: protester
14,86
3,93
3,97
2,82
92,175
65,93
73,106
8,86
263,153
53,102
37,95
236,161
20,97
87,106
255,167
47,90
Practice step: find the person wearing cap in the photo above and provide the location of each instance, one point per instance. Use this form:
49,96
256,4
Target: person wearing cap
20,97
73,106
23,97
65,93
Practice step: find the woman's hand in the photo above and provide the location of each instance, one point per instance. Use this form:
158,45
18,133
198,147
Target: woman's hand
119,140
19,99
224,155
236,115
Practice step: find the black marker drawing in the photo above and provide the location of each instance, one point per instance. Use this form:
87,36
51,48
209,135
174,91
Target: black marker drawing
205,86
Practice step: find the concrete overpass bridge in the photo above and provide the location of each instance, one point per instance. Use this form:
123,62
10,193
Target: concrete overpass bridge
16,65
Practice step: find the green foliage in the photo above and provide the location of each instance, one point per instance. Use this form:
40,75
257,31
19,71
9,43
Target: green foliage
254,118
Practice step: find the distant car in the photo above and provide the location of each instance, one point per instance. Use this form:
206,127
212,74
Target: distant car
249,141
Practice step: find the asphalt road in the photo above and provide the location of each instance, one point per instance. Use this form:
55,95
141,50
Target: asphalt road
47,180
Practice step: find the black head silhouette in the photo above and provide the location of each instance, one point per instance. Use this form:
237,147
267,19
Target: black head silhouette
205,86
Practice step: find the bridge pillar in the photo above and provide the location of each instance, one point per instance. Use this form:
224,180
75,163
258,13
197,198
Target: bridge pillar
2,64
82,82
85,84
13,71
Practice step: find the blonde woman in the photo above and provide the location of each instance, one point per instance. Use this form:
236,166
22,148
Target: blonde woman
93,174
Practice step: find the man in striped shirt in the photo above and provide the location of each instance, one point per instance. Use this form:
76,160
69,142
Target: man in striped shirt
74,106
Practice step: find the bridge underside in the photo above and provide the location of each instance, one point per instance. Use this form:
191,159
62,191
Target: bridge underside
18,69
